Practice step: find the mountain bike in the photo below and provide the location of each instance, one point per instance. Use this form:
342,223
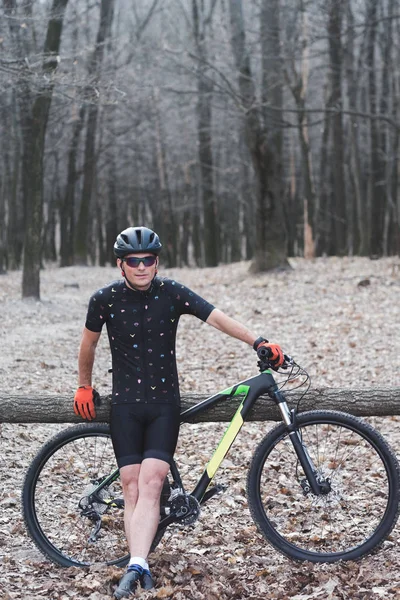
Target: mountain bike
322,486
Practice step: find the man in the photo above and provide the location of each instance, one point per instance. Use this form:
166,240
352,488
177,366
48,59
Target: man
141,312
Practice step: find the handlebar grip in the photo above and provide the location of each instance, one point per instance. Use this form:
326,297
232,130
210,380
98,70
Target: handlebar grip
264,353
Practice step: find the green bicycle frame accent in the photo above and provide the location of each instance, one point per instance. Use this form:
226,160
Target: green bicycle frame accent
224,445
226,442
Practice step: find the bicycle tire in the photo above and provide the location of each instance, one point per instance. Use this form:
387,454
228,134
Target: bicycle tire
349,522
58,477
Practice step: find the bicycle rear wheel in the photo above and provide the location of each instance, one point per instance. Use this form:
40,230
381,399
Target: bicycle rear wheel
63,473
354,517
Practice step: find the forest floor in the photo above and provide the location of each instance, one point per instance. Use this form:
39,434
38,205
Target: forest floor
340,318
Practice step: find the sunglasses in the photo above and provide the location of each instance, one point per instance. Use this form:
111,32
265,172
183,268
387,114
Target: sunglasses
134,261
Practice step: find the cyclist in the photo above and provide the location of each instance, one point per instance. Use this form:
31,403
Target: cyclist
141,312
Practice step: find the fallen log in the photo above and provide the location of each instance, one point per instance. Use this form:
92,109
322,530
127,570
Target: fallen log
360,402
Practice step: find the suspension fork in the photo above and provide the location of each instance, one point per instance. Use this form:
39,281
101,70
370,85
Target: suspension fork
289,418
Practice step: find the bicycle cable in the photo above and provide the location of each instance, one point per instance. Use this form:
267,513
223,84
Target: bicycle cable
296,372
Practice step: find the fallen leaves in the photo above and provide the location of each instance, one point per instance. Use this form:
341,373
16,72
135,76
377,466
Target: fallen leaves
222,556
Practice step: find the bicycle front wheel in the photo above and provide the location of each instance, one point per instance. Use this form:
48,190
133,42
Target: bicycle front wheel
357,513
65,471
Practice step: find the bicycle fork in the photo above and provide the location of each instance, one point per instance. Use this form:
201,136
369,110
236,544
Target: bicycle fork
316,484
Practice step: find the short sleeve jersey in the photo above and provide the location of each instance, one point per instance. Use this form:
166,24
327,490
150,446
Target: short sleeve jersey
141,330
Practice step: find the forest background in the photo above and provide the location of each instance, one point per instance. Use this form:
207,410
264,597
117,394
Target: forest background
252,130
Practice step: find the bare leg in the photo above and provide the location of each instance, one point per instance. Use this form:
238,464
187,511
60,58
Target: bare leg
142,485
130,488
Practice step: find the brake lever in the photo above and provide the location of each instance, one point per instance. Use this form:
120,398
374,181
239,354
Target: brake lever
288,361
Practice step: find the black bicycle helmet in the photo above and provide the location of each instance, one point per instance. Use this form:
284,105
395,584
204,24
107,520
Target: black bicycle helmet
136,239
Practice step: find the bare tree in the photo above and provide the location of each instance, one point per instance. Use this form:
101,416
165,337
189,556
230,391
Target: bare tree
297,83
334,26
270,247
35,123
82,227
254,130
201,21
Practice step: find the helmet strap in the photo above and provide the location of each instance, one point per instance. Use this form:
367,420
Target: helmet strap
131,284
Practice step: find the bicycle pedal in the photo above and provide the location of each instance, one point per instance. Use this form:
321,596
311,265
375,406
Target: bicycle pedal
216,489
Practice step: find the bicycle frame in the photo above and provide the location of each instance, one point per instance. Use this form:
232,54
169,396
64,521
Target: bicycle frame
251,389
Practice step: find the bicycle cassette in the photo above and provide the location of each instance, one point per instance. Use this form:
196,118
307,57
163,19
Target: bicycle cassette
98,507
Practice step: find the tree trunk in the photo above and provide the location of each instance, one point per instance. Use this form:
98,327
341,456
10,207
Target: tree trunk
164,218
339,188
50,208
3,238
59,409
67,205
385,155
82,228
270,246
204,136
111,217
323,220
22,99
299,91
357,234
246,191
291,203
186,222
377,200
15,229
34,154
395,195
272,81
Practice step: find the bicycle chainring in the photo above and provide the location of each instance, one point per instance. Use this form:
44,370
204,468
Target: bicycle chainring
186,508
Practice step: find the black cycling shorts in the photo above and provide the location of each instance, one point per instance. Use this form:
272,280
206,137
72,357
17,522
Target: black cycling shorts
140,431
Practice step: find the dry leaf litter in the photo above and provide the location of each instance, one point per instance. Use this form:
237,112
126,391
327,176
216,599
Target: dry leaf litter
340,318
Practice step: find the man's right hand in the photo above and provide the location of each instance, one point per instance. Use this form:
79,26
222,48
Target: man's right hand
84,402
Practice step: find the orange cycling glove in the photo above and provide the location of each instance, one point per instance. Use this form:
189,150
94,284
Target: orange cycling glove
84,402
274,352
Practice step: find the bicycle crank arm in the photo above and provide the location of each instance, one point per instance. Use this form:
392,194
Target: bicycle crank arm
213,491
168,520
185,513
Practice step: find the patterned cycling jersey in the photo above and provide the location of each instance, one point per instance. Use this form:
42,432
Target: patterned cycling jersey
141,330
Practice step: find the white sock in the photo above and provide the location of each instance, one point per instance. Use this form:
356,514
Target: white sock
138,560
